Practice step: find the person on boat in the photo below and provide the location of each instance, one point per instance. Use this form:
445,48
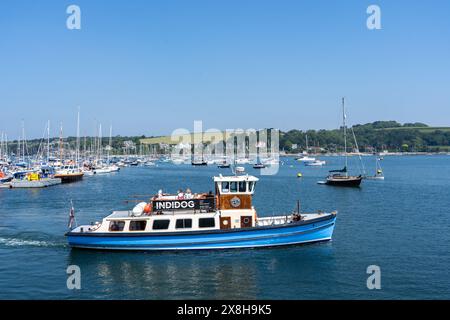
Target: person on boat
180,195
160,194
114,226
188,194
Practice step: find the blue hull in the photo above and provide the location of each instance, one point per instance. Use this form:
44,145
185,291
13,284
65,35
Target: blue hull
293,233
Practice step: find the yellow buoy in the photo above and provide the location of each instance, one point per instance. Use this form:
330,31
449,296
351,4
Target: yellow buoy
299,175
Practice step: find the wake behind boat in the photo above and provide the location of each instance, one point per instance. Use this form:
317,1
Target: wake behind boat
224,220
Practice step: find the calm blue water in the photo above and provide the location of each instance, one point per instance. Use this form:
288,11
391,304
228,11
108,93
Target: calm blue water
401,225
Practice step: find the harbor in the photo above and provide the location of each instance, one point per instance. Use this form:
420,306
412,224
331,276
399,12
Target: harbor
375,224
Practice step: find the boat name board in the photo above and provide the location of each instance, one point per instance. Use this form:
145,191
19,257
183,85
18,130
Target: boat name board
195,204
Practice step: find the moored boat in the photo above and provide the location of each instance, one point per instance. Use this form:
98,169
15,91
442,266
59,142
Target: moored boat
224,220
69,174
379,175
224,165
341,178
41,178
306,159
315,163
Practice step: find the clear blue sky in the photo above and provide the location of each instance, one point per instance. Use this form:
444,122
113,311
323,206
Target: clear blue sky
148,67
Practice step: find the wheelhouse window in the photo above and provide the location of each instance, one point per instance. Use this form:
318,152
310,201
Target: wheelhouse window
206,223
183,224
242,186
138,225
116,225
233,186
161,224
225,187
251,186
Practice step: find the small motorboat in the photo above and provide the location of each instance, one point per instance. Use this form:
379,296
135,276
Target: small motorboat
315,163
199,163
224,165
242,161
259,165
5,177
186,221
106,169
306,159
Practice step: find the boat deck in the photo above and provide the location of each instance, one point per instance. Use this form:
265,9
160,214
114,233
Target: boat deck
129,214
261,220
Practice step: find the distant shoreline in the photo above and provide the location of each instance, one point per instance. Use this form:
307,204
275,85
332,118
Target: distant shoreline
363,154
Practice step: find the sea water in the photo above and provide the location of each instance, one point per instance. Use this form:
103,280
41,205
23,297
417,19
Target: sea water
401,225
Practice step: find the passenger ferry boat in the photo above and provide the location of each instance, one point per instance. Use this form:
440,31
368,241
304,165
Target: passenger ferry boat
226,219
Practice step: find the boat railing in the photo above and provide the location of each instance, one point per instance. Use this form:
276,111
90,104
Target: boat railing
167,212
269,221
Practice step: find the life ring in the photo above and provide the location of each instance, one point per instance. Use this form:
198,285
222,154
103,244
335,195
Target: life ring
148,208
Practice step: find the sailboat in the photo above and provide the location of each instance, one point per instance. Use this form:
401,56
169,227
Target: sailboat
378,171
341,178
69,172
195,162
258,164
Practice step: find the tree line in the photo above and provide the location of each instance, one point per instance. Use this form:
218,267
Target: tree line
370,137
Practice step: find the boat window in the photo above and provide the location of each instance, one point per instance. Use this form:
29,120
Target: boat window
183,223
251,186
138,225
116,225
206,222
225,187
233,186
161,224
242,186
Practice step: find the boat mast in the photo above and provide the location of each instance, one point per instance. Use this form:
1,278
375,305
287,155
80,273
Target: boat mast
77,154
1,148
48,142
23,141
18,148
345,135
110,142
359,153
100,143
61,145
306,138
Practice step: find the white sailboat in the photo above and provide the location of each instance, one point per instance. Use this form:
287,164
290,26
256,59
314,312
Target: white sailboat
379,175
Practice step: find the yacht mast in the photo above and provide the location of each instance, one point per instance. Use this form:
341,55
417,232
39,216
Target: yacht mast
48,142
306,138
78,138
110,142
345,135
23,141
61,145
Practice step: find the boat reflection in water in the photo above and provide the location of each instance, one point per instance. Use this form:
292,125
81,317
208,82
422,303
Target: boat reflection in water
231,274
